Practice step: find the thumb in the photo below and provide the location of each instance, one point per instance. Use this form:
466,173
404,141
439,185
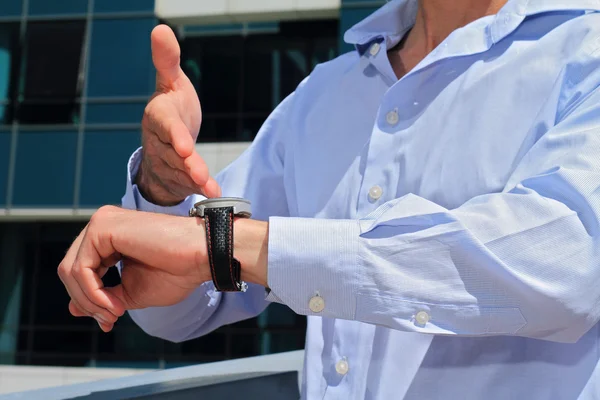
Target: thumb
121,294
165,56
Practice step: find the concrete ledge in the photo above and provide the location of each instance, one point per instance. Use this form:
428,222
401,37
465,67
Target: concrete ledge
21,378
276,372
45,214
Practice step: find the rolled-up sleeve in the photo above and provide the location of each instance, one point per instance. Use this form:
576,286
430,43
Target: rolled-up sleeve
525,261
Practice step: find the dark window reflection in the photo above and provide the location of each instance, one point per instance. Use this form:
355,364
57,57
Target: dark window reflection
61,342
219,129
260,72
241,79
51,63
129,341
246,345
251,126
9,69
214,344
49,112
221,60
294,67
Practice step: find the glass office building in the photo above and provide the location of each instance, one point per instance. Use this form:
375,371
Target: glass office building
75,76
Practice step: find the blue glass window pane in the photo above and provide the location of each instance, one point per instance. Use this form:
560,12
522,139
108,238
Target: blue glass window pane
4,156
105,156
11,8
111,113
9,67
120,58
44,7
214,29
45,169
120,5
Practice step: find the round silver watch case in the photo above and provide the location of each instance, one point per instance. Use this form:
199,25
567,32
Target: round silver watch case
241,207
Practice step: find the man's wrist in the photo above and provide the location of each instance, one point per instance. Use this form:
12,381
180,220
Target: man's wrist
251,239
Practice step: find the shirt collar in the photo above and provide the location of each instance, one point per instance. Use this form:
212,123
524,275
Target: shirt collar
394,19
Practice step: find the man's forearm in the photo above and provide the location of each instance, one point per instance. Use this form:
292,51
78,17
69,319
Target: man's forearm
251,238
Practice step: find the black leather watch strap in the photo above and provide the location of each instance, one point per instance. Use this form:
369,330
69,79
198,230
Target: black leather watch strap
225,269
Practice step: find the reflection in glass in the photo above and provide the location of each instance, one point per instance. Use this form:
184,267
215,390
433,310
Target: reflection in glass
5,140
123,6
245,345
213,344
120,58
114,113
220,62
9,39
54,154
11,289
45,7
241,79
49,334
251,126
219,129
261,70
61,342
52,65
104,155
11,8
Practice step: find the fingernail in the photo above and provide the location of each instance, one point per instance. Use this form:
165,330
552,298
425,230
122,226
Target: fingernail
99,319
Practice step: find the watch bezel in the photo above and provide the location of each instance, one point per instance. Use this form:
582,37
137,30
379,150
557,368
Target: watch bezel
241,207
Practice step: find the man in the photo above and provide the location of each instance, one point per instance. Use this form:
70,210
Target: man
430,201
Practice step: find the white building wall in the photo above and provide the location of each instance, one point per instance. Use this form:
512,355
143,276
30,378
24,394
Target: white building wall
235,11
19,379
218,155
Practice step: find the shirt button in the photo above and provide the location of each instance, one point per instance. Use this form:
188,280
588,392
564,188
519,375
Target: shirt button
316,304
392,117
341,367
375,192
374,49
422,318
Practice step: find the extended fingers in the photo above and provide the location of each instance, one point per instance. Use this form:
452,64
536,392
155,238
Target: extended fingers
212,188
161,117
190,173
193,166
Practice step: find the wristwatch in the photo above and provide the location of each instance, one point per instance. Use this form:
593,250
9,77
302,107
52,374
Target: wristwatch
218,217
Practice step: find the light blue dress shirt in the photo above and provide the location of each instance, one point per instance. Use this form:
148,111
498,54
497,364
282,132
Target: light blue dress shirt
441,231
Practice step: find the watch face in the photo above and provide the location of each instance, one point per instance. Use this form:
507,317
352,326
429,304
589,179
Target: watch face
241,207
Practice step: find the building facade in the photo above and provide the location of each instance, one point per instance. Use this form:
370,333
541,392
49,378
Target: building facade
75,76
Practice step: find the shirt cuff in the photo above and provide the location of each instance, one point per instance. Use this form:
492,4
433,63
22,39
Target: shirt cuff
134,200
313,265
